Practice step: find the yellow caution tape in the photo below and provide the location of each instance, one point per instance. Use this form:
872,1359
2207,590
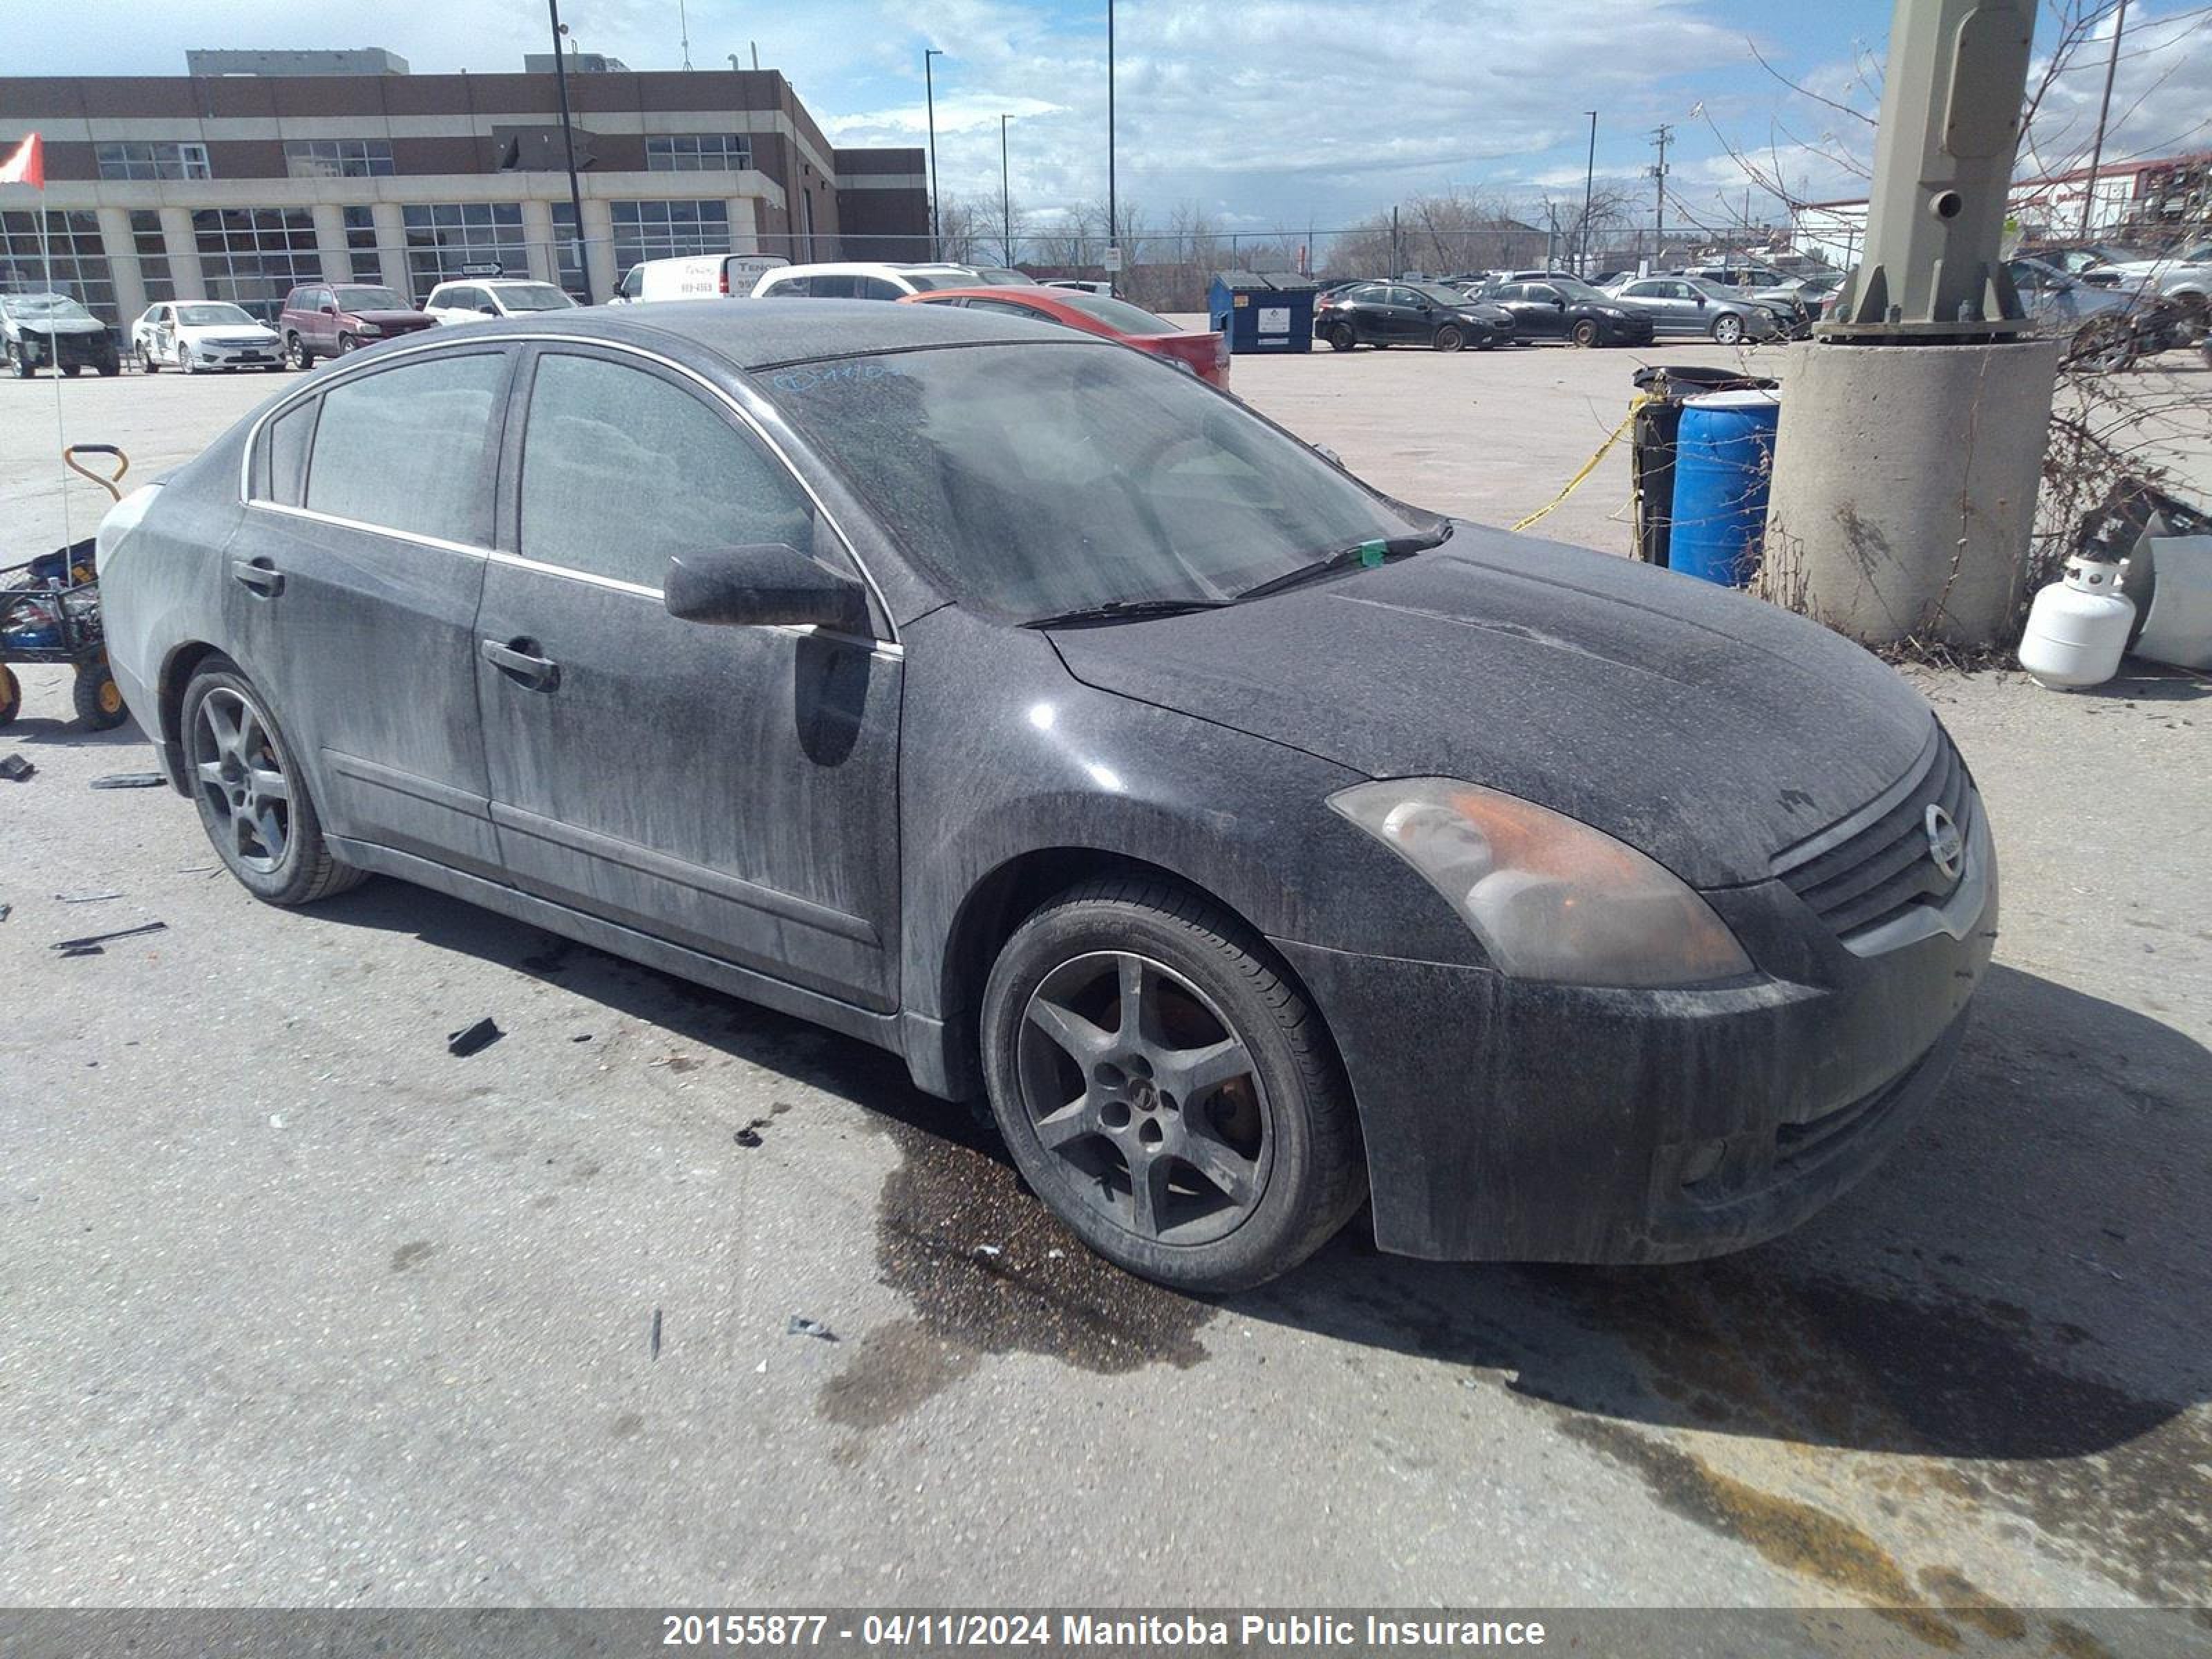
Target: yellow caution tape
1589,465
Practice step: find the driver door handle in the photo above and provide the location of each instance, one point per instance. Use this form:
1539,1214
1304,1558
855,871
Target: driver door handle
518,658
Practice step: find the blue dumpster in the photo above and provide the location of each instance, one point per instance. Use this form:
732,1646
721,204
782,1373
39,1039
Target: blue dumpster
1262,310
1723,463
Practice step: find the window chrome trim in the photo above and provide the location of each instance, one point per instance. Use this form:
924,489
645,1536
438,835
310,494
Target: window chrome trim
316,516
338,373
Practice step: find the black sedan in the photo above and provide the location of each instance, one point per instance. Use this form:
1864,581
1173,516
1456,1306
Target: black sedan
1557,310
1256,843
1410,314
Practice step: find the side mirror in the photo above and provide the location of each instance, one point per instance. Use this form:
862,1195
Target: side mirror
769,584
330,310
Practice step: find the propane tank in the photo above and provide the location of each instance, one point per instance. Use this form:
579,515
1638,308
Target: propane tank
2077,627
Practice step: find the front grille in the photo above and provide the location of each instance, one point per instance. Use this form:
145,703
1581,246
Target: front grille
1876,865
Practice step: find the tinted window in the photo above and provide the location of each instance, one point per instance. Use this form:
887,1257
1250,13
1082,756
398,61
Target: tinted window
1006,308
1117,313
875,288
833,287
405,448
622,469
1031,479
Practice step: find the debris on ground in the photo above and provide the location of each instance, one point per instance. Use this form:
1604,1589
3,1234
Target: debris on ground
653,1342
90,944
129,781
6,910
473,1039
85,898
800,1325
581,1036
15,769
750,1136
988,1249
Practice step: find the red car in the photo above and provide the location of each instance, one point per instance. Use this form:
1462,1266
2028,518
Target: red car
1205,355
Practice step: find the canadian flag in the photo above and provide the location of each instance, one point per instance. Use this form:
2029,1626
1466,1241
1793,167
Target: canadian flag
27,166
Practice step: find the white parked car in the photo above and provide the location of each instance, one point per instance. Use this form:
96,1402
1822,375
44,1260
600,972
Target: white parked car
859,280
472,301
193,335
695,276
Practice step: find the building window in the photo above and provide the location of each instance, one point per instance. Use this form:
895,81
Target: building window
667,230
253,257
338,158
569,273
697,152
79,264
361,244
153,159
444,241
153,256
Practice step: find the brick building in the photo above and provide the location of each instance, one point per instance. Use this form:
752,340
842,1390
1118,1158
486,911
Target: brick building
238,185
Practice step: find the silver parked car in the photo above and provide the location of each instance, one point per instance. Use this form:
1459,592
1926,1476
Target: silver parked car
2110,328
1691,306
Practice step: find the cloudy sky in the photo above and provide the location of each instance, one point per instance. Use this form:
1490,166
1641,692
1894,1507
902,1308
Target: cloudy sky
1262,113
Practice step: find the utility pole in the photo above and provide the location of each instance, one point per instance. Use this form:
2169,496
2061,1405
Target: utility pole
1913,431
1006,200
1397,263
1659,199
568,147
929,91
1113,218
1589,184
2104,112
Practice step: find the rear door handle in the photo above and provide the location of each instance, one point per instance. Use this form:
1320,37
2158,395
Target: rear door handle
518,660
262,577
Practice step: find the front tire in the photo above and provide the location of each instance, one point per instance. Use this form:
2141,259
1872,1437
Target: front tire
184,363
20,360
346,344
253,798
1451,338
1586,334
1728,331
1165,1088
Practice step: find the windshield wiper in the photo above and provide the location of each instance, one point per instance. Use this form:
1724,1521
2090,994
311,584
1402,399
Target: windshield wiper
1114,611
1370,552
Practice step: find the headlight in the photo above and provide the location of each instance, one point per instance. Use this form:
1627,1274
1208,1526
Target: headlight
366,329
1549,897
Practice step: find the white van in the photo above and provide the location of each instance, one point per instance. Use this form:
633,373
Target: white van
860,280
696,277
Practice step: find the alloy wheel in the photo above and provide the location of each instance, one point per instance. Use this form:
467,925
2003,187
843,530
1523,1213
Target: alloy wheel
1150,1102
240,776
1728,330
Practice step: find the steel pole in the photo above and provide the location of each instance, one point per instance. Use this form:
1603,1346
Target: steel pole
568,148
1589,187
929,91
1113,203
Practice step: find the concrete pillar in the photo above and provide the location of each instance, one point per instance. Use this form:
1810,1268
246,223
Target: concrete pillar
538,233
120,249
1904,489
391,248
330,242
599,248
183,248
745,229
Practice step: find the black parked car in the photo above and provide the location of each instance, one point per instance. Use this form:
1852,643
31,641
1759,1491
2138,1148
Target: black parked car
995,694
1571,310
1408,313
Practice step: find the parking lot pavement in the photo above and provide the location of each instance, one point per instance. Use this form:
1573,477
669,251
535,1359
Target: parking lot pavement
300,1309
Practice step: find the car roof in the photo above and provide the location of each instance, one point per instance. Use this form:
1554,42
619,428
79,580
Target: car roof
768,336
859,268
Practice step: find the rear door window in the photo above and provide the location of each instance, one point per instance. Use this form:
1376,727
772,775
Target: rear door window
405,448
875,288
622,469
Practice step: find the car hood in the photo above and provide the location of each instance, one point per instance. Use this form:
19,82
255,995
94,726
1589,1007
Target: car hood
58,325
1706,728
392,319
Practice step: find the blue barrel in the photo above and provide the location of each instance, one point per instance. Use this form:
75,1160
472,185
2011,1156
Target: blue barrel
1723,463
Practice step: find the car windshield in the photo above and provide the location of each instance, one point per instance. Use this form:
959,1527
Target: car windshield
925,281
370,299
57,306
1031,480
214,316
533,296
1115,313
1712,289
1578,292
1438,293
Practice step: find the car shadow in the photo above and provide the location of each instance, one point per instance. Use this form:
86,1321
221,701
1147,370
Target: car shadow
2022,1280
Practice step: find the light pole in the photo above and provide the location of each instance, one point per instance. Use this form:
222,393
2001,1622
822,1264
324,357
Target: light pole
1113,219
1589,182
568,147
1006,200
929,91
2104,112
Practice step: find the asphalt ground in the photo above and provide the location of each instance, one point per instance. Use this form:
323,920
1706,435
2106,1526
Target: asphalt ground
298,1308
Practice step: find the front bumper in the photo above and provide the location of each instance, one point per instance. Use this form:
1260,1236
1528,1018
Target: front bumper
238,357
1508,1120
69,351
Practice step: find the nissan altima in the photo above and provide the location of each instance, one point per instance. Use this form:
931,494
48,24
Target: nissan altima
1261,847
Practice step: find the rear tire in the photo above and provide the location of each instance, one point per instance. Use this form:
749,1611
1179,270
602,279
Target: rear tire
1451,338
97,698
20,360
297,355
1340,338
1212,1081
270,839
